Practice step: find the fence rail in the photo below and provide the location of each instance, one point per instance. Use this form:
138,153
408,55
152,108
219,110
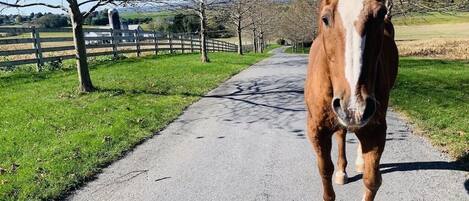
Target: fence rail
35,49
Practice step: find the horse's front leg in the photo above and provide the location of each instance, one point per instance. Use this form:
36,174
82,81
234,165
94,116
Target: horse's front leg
322,142
341,175
372,145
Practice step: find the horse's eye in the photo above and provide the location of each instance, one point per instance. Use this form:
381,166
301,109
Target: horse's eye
325,19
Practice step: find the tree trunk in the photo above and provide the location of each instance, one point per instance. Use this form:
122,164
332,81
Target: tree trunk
80,49
203,33
261,42
254,34
240,41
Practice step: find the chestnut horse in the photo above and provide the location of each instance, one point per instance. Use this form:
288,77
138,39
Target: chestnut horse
352,68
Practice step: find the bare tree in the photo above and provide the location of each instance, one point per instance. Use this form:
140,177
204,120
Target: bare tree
298,22
77,17
200,7
264,19
404,7
238,11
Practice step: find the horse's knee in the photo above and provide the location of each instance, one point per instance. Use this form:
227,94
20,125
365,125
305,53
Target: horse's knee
372,183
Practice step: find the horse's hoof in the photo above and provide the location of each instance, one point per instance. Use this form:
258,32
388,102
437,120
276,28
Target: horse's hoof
340,178
359,168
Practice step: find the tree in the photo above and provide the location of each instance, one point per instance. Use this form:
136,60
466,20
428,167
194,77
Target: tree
237,12
261,19
404,7
38,15
51,21
77,17
199,7
298,22
18,19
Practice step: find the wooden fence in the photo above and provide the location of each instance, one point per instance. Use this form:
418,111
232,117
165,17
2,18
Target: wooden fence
28,47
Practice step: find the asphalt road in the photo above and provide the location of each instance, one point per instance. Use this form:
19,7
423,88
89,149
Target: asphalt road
246,141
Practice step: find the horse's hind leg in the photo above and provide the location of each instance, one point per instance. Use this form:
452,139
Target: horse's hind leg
341,175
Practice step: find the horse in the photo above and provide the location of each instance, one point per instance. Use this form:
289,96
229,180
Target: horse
352,68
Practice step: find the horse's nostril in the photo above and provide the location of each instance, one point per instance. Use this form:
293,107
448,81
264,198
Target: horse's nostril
370,108
336,103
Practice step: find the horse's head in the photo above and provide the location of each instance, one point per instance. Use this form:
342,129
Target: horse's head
352,33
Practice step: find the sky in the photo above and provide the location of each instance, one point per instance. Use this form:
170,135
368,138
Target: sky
36,9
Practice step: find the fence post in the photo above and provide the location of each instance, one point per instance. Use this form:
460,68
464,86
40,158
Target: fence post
170,40
182,42
37,47
212,43
207,45
114,43
192,43
155,40
137,41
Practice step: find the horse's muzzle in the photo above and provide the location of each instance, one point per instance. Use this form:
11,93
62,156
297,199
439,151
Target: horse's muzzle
354,117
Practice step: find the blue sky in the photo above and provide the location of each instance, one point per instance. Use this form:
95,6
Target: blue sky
36,9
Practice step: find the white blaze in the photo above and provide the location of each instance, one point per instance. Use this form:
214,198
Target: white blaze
354,45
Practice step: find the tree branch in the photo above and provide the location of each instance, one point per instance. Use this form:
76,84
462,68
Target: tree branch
18,5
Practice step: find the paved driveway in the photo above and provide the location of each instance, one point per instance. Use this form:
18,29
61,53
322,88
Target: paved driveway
246,141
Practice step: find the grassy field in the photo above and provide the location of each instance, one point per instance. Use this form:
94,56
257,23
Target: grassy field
53,139
434,35
422,32
434,94
432,18
304,50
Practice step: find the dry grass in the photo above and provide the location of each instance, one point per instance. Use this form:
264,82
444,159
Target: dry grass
25,46
437,41
421,32
436,48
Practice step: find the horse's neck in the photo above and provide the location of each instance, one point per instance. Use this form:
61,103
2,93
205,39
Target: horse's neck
318,70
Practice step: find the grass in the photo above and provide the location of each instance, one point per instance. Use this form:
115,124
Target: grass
443,31
53,139
304,50
434,94
434,35
432,18
450,49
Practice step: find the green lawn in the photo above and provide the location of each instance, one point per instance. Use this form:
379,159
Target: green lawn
434,94
300,50
53,139
432,18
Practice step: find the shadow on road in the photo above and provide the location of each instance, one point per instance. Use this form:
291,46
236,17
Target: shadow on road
419,166
466,186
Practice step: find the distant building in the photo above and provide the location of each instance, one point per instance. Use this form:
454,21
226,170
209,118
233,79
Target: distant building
132,27
115,23
97,35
